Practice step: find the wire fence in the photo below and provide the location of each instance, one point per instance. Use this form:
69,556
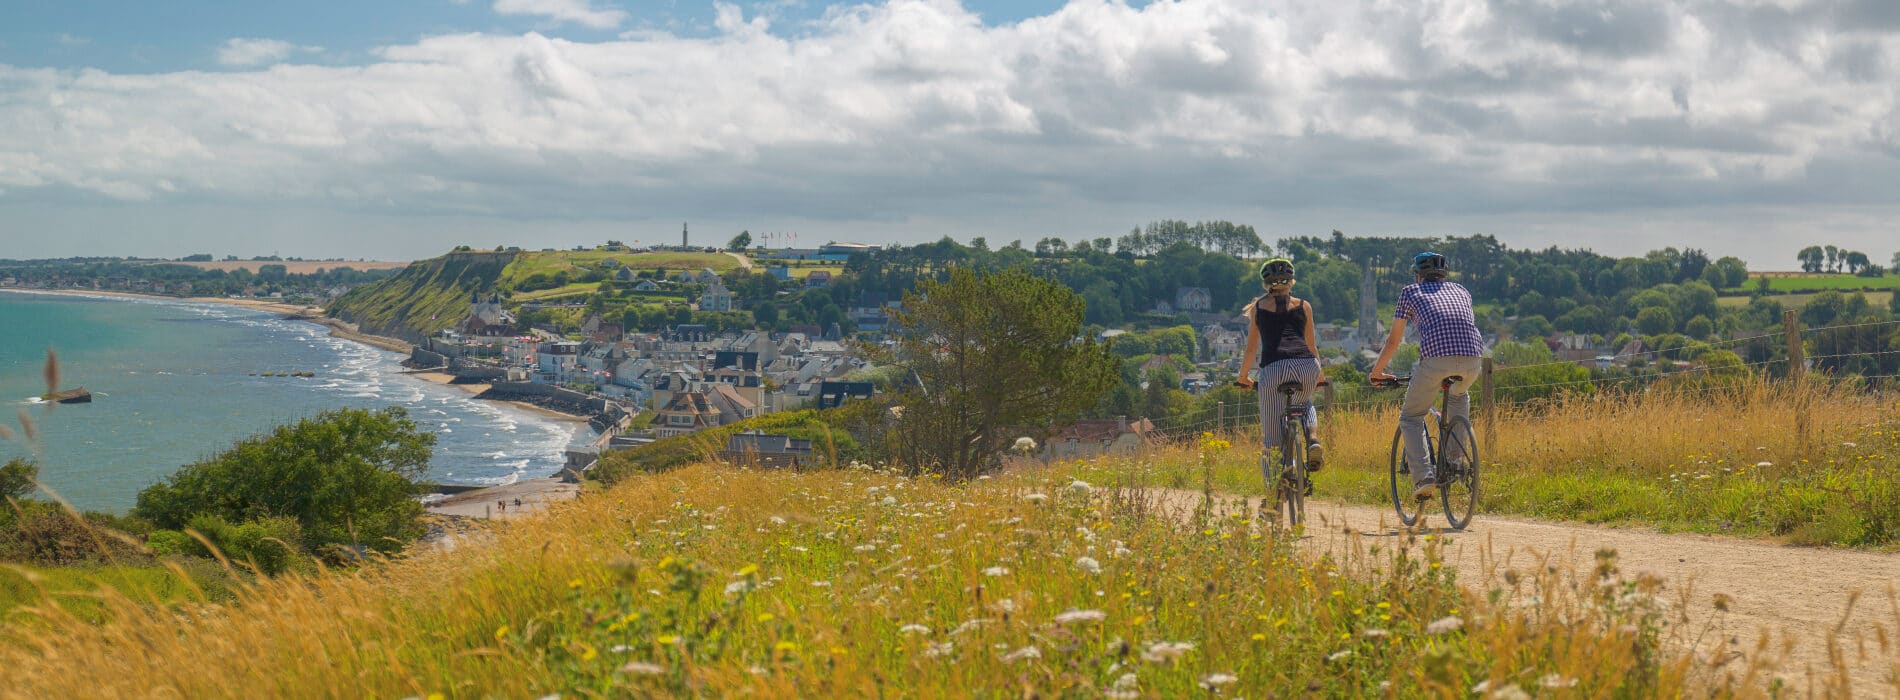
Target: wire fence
1868,351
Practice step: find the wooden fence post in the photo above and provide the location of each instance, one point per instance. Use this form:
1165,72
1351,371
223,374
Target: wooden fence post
1490,408
1797,374
1327,428
1220,417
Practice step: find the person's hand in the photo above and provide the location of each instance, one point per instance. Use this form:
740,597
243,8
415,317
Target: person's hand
1382,376
1244,383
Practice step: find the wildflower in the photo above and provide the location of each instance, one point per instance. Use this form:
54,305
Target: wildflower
1445,625
1080,616
1036,498
766,617
1028,652
821,584
1126,687
1374,633
778,520
738,587
1088,564
501,632
747,570
995,571
1259,637
1216,680
888,501
1079,487
936,650
642,668
1552,680
914,628
667,639
1339,656
967,626
787,647
1166,651
1764,465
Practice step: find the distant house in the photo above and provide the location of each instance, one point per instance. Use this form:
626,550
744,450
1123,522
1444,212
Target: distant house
756,446
1193,299
818,278
707,276
644,285
686,412
835,394
716,297
624,274
1092,438
782,272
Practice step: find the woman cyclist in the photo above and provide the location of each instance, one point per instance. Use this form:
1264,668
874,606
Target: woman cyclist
1282,334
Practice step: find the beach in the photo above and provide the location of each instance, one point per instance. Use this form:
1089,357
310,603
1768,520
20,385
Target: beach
535,496
476,389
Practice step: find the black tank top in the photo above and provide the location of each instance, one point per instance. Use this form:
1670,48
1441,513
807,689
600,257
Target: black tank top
1282,333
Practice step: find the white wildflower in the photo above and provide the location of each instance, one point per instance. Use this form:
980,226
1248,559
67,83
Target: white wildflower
1127,687
888,501
1216,680
1849,444
1088,564
820,584
864,548
1024,445
1445,625
1374,634
778,520
1080,616
643,668
1079,487
968,626
995,571
1764,465
1552,680
1166,651
1028,652
937,650
914,628
1036,497
738,587
1339,656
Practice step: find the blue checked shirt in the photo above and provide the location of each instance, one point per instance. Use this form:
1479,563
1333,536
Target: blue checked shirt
1442,312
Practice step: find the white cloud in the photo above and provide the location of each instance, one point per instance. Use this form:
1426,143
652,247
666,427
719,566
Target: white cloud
581,12
1447,111
65,39
242,53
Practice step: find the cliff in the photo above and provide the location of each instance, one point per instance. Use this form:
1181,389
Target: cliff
426,297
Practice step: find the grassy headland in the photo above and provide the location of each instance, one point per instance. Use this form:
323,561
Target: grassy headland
710,581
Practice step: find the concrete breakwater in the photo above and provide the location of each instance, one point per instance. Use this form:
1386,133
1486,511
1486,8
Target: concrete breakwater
549,397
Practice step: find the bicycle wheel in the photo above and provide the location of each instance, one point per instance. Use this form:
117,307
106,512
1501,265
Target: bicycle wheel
1410,511
1459,490
1291,491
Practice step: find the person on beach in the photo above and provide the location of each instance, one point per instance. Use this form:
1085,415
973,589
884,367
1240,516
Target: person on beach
1282,333
1449,346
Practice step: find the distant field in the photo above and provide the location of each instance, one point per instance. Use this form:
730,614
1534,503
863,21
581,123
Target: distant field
575,262
1804,282
302,267
1793,301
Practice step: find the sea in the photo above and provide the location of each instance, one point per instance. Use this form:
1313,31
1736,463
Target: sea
175,382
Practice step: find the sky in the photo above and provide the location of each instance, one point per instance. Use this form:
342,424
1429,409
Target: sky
396,130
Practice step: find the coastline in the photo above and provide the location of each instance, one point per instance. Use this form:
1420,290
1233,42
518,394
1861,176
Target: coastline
535,493
314,314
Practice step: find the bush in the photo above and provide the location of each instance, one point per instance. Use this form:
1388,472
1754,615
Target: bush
345,476
270,545
37,532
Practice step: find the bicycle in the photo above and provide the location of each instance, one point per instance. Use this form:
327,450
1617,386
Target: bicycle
1294,484
1457,480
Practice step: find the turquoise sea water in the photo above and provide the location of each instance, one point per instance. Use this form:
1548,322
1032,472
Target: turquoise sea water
172,383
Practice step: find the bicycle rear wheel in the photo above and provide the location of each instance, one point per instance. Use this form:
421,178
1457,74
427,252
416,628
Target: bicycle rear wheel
1291,489
1459,490
1410,511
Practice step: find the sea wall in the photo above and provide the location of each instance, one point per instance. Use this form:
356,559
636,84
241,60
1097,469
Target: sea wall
547,396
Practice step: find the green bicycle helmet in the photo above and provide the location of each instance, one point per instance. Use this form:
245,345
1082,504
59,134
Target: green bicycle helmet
1276,271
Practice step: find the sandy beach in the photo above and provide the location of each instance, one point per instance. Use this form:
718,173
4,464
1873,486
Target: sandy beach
534,494
477,389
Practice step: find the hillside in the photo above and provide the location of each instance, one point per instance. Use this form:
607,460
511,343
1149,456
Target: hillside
715,582
427,296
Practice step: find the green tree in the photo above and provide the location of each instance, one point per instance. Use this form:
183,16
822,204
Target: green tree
1530,327
347,476
765,315
1812,258
1655,320
741,241
994,354
18,478
1699,328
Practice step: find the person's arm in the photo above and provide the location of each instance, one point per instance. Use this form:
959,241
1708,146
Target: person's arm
1253,347
1312,338
1391,347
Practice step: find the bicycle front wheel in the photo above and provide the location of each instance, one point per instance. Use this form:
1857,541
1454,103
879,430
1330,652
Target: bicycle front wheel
1459,488
1410,511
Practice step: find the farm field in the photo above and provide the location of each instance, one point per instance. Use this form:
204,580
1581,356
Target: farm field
1784,282
301,267
576,262
1795,301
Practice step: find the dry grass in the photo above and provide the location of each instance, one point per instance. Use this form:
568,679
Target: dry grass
714,581
1707,460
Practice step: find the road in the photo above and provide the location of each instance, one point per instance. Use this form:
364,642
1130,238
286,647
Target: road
1797,594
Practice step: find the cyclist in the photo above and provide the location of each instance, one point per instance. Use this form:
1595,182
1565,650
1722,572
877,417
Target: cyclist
1282,333
1449,345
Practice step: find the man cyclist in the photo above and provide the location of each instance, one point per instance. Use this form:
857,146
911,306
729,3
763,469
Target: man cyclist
1449,345
1282,333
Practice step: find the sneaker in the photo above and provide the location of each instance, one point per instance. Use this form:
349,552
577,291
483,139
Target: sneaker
1424,490
1315,457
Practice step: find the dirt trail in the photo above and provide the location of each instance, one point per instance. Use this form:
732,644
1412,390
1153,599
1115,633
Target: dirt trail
1795,593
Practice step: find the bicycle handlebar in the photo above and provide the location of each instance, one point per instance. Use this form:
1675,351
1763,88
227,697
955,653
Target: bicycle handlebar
1389,383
